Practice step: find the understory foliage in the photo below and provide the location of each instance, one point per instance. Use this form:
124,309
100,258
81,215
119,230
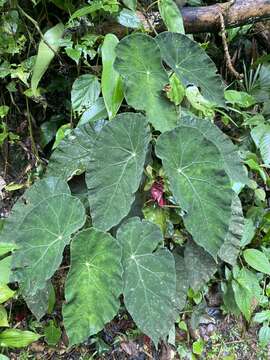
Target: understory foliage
166,202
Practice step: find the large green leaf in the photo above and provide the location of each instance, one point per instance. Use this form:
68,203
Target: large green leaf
46,54
261,136
94,284
111,83
199,265
39,191
42,237
199,183
149,278
139,63
114,174
85,92
73,153
229,251
191,63
228,151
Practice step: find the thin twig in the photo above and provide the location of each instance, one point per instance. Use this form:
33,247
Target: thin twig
34,22
226,50
33,144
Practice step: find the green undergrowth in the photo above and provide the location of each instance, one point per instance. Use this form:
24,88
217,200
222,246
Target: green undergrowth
144,184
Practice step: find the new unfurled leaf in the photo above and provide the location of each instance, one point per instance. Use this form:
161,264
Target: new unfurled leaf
114,173
149,278
46,54
93,286
139,63
240,98
199,183
111,83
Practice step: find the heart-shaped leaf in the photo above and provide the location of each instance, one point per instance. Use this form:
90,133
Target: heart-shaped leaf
114,173
94,284
149,278
139,63
42,237
192,65
199,183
